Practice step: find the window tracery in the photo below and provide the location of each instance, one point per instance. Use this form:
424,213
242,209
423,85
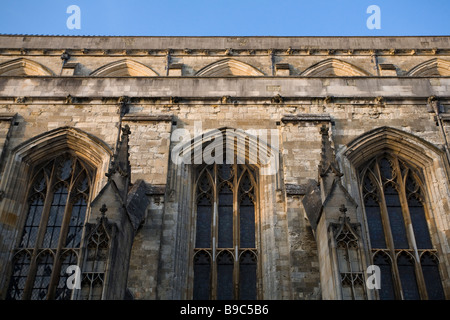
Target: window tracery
97,252
399,234
225,254
349,257
51,235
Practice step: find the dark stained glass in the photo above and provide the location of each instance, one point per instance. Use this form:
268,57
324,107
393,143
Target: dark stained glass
411,184
246,184
65,169
386,291
31,227
247,222
395,217
62,290
375,224
368,184
203,229
77,217
204,184
202,274
432,277
225,171
55,218
419,223
247,276
225,266
225,236
386,169
20,272
42,278
407,277
41,182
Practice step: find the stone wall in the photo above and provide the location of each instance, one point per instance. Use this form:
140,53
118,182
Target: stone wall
293,105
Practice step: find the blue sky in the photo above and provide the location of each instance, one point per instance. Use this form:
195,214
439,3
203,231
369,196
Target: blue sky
226,17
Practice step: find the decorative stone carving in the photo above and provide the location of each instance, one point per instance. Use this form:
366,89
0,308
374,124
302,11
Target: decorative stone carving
20,99
328,100
225,99
174,100
277,99
379,100
69,99
65,56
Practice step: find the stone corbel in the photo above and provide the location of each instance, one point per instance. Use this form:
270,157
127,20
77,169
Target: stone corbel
225,99
277,99
229,52
69,99
20,99
433,105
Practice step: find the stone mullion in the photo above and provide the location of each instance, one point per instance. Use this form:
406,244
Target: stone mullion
410,231
62,236
388,234
258,242
335,272
215,227
236,226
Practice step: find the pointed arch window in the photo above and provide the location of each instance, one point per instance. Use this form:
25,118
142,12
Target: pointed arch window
348,257
225,257
396,214
51,235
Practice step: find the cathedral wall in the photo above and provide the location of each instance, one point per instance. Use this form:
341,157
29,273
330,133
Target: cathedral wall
150,149
293,108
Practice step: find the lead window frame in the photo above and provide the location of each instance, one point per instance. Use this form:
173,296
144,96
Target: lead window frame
402,170
59,252
237,252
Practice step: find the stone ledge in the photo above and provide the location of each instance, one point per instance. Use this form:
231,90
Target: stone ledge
155,190
7,116
148,118
295,189
306,117
443,117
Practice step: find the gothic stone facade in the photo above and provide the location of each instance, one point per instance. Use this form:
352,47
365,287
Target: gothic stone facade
358,132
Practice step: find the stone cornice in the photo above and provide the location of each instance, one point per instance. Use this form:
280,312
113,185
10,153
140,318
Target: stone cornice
289,45
174,90
236,52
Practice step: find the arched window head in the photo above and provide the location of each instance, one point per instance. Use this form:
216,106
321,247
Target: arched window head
228,67
58,197
226,240
394,198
